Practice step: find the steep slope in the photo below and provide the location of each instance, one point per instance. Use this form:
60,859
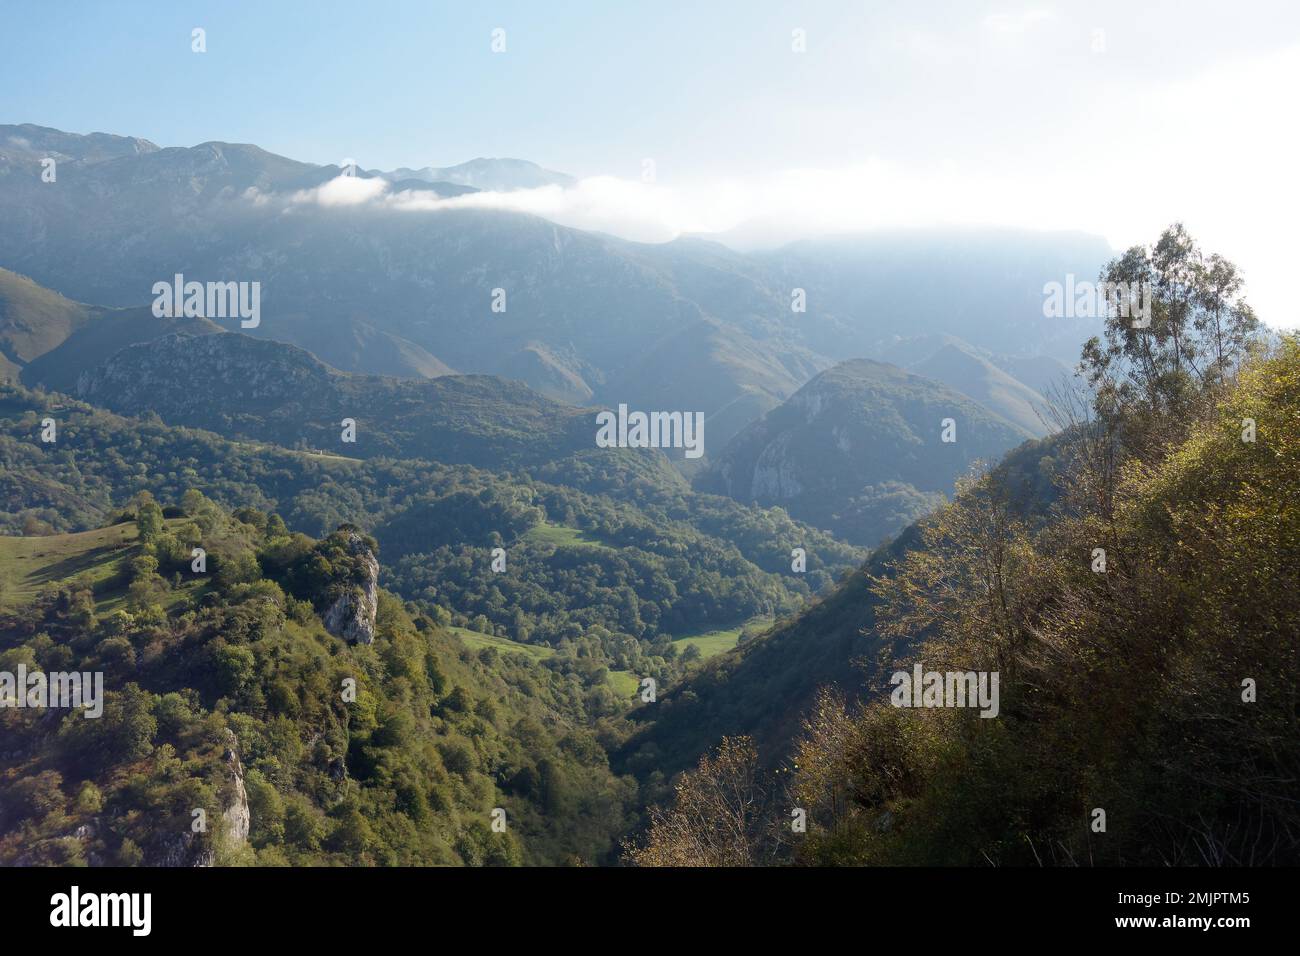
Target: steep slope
109,331
236,708
33,320
765,687
859,450
725,373
1128,687
1044,374
978,378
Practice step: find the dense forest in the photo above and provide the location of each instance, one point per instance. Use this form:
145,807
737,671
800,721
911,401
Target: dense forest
405,655
227,695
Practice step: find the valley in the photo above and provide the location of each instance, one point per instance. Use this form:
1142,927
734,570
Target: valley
443,472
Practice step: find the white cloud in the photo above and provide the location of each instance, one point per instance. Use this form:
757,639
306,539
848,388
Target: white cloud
1214,151
343,191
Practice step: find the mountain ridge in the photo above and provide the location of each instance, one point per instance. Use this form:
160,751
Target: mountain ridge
861,448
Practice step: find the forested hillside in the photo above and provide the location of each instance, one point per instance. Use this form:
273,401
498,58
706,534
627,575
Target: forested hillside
1143,627
620,571
764,688
347,617
228,701
864,448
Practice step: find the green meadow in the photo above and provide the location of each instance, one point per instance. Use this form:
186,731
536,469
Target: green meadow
28,564
712,643
562,536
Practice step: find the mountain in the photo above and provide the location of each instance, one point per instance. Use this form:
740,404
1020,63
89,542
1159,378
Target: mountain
729,375
1113,700
768,685
33,320
382,281
978,378
499,175
269,391
105,334
27,143
1042,373
363,288
1039,379
984,285
859,450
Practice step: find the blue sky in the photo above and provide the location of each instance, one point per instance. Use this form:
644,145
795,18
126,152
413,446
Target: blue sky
393,83
594,87
906,113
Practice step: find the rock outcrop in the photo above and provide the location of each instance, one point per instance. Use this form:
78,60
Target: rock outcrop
351,616
191,848
237,817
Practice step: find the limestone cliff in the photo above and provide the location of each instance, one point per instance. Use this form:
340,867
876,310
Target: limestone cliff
351,615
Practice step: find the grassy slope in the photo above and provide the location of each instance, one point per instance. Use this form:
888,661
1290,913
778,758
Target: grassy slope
712,643
560,536
33,320
29,564
477,640
624,683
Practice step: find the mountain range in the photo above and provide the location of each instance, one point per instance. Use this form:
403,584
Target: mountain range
402,285
393,479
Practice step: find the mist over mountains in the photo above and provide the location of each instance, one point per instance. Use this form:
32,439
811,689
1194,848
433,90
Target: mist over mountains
648,436
429,372
390,467
588,318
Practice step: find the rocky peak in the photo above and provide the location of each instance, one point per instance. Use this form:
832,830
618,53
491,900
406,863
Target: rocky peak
351,616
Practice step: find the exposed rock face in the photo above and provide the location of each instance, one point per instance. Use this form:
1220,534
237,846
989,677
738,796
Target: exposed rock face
237,816
859,449
352,615
776,473
193,849
184,849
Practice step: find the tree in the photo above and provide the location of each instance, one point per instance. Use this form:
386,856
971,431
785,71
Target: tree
1200,329
148,518
722,815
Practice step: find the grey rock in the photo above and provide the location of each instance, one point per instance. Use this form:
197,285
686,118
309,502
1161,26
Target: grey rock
352,615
